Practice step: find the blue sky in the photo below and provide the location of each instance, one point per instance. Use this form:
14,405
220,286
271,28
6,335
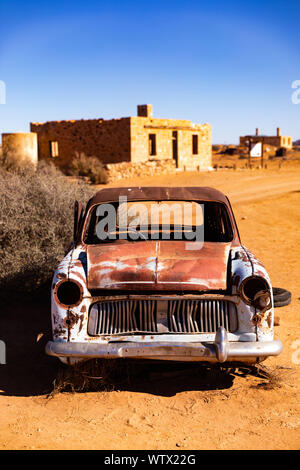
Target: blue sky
229,63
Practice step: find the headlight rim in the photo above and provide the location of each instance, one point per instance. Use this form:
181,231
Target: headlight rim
246,299
57,286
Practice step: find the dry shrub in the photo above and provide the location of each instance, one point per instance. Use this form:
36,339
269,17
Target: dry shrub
90,376
89,167
273,378
36,224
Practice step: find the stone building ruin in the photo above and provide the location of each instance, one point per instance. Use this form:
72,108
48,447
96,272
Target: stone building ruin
141,141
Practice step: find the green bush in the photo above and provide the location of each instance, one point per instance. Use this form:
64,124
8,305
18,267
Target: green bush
36,223
90,167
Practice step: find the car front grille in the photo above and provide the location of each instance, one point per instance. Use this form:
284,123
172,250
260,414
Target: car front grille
161,316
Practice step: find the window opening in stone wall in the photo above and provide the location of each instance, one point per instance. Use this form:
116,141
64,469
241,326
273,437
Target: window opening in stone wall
53,148
195,144
152,144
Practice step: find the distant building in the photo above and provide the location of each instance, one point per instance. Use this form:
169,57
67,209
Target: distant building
131,139
277,141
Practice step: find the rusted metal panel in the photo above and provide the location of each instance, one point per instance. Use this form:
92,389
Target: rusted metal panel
204,269
166,265
121,265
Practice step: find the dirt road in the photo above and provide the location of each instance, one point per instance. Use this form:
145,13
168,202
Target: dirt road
163,407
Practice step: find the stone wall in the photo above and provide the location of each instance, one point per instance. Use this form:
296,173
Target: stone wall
117,171
139,137
141,127
108,140
186,159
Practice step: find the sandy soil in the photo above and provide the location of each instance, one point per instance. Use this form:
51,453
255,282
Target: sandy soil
166,407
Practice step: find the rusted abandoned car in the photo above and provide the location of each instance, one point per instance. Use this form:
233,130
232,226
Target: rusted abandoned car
181,288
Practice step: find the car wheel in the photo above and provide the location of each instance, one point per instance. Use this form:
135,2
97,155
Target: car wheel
281,297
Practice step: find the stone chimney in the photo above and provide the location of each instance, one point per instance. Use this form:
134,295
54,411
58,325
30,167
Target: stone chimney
144,110
278,132
257,131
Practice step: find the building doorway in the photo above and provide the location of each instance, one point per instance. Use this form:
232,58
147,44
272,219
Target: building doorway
175,147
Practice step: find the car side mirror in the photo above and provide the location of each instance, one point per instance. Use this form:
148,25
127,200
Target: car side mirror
78,216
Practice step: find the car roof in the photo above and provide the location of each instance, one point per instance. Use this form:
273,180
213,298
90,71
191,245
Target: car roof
158,193
165,193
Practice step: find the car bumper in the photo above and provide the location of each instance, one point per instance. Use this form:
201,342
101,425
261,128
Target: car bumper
218,351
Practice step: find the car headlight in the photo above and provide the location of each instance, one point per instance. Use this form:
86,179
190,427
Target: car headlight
255,291
68,293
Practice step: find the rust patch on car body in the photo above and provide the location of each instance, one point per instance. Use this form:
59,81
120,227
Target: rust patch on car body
61,275
269,320
58,330
256,319
72,319
163,265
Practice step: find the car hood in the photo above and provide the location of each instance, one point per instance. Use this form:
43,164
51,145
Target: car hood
159,265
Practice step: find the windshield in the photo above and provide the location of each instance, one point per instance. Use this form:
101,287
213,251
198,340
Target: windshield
159,220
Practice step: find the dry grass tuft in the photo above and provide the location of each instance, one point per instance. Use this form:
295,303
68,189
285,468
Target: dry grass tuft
90,376
274,378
